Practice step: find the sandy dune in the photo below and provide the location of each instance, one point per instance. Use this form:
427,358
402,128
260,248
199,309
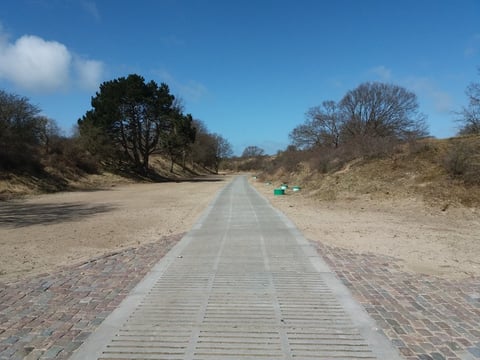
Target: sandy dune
40,233
425,239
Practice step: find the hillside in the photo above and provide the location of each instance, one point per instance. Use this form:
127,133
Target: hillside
408,209
441,173
61,177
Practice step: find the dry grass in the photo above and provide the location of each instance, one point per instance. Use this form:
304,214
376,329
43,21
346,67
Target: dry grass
66,178
414,171
15,186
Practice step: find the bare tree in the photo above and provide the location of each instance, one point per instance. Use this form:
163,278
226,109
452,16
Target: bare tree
209,149
253,151
470,116
223,150
19,135
177,142
374,110
321,127
48,131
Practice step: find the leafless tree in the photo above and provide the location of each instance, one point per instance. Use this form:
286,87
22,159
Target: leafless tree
470,116
48,130
209,149
374,110
321,127
223,150
19,135
253,151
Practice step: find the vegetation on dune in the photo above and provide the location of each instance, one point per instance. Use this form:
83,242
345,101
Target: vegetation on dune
470,115
374,142
131,122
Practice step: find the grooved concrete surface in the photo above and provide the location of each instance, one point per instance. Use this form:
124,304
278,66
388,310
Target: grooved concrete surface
243,284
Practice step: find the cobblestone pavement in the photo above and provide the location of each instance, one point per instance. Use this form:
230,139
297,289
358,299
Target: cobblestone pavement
424,316
49,316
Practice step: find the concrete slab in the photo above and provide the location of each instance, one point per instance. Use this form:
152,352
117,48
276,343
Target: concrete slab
244,283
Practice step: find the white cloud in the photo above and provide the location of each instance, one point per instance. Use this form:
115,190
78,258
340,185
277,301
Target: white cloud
381,72
441,100
35,64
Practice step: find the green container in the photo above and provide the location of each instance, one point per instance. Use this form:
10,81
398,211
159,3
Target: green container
296,188
278,192
284,187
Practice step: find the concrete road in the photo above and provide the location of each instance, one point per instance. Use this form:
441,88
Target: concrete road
243,284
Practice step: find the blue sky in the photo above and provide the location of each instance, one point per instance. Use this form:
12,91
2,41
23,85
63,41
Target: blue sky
249,69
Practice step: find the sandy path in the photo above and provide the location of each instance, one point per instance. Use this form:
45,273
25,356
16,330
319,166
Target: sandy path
40,233
426,240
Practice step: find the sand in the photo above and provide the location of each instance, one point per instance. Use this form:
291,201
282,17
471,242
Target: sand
41,233
424,238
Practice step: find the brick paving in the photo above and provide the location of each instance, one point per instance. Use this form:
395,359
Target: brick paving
425,317
49,316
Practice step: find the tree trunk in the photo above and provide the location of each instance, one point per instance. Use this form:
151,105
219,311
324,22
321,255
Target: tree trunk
145,164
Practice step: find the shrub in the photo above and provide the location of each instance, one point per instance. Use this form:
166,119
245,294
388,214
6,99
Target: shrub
68,153
289,159
463,160
326,159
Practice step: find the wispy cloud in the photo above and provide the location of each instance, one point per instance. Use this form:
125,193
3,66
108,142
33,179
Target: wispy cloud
336,83
39,65
3,35
381,72
441,100
473,46
171,41
424,87
91,8
190,90
89,73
